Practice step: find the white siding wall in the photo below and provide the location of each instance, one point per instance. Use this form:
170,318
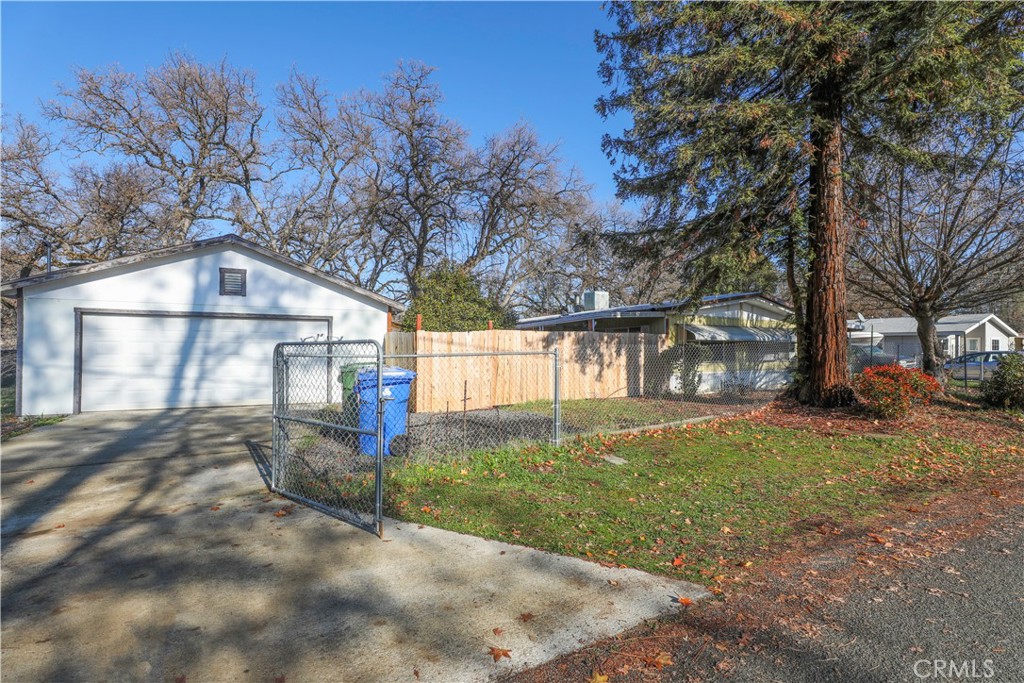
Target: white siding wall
189,282
989,332
747,312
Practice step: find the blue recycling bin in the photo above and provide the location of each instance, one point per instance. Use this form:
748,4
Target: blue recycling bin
396,383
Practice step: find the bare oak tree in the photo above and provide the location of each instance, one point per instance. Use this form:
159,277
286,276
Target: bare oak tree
190,123
930,239
377,187
422,168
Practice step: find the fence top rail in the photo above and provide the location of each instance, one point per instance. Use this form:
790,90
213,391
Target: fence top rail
471,354
334,343
335,356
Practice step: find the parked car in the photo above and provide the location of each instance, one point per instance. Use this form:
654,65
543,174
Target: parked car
976,365
862,356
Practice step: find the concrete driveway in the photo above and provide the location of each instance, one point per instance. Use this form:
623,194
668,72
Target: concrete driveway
146,546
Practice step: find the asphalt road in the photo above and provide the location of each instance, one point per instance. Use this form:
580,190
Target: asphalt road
958,616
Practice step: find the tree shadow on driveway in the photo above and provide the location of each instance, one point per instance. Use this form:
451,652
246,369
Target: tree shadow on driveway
151,558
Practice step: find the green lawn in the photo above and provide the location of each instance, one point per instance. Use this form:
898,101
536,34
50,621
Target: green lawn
690,503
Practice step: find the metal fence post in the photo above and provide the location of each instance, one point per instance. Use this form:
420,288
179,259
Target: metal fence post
275,433
379,467
557,429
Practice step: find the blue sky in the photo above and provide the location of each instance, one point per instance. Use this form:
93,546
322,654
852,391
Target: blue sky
497,62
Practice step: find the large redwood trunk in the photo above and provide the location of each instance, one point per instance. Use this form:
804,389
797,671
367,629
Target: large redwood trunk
827,383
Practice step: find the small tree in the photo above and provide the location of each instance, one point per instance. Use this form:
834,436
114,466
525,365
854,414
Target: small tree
450,300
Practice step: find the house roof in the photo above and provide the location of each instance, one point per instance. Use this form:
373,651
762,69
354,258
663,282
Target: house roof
951,324
654,310
11,287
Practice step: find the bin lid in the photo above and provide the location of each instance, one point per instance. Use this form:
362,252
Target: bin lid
392,374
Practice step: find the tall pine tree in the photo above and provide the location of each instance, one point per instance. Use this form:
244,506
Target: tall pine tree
744,113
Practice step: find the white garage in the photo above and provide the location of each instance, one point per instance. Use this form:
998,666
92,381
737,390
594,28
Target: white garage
183,327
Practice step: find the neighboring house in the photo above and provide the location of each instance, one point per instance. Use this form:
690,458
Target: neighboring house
724,317
187,326
748,336
958,334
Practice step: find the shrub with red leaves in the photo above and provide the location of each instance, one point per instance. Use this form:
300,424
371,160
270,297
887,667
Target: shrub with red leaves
891,391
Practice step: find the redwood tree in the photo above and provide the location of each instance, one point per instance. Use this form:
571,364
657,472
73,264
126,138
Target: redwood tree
742,115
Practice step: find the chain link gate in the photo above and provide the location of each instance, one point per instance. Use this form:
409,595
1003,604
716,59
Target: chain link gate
328,428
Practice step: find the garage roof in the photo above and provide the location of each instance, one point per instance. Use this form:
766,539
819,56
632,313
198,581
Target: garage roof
11,287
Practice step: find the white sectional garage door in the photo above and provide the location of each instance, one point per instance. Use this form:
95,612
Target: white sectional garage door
181,361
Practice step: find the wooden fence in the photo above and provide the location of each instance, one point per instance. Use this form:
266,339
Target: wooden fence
593,365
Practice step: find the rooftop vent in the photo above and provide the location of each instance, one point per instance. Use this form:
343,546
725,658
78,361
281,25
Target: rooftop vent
595,300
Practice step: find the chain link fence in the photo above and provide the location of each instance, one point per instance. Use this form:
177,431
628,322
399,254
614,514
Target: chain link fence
343,409
465,402
658,384
327,453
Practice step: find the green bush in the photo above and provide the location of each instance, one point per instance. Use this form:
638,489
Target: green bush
1005,387
891,391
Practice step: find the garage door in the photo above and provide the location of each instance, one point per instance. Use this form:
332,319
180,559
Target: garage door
182,361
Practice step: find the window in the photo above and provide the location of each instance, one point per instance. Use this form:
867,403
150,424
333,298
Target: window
232,282
972,344
995,344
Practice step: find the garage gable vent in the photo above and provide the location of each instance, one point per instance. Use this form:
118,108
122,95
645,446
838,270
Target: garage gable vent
232,282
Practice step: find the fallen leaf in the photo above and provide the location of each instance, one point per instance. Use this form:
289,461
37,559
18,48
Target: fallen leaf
662,660
685,602
678,561
416,673
285,511
726,530
59,526
596,677
215,508
497,631
499,652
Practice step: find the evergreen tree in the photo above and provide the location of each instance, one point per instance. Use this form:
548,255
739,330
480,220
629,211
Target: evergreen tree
450,299
744,115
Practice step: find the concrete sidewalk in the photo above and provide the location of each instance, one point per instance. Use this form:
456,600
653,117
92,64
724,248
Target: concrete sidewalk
183,567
